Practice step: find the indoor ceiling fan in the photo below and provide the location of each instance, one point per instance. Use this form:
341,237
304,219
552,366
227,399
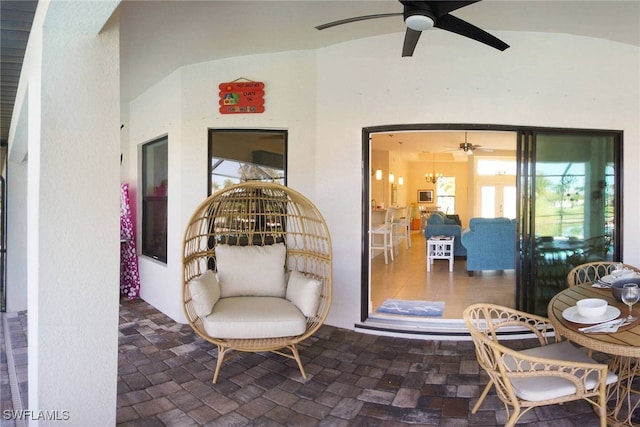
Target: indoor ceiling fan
423,15
468,147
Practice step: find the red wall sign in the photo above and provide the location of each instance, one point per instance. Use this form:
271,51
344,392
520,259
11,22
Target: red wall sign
241,97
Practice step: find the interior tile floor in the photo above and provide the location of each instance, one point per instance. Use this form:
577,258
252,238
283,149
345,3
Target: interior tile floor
353,379
406,277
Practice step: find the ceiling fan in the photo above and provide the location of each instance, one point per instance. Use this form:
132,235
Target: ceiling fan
469,148
423,15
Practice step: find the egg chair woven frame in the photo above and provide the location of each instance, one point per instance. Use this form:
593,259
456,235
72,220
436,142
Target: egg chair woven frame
258,213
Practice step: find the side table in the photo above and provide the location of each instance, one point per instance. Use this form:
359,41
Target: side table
440,247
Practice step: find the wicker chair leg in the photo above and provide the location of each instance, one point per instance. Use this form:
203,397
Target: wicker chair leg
513,419
482,396
222,350
602,408
296,355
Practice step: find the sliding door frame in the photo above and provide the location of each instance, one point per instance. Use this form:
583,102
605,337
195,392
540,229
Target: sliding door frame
526,268
526,135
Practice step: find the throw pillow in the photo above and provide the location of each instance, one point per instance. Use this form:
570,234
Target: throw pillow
205,293
251,270
304,293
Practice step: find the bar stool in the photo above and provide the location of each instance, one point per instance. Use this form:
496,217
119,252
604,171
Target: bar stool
403,224
384,230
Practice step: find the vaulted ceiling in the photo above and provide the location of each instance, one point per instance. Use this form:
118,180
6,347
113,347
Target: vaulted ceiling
156,38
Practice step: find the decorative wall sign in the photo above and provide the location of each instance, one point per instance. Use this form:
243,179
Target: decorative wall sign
241,97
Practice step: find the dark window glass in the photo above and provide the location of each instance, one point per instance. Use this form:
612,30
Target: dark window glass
237,156
154,199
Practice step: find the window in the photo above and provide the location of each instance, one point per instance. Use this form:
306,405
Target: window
246,155
446,194
492,167
154,198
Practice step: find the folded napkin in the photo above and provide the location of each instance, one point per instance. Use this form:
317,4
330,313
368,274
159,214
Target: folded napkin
601,285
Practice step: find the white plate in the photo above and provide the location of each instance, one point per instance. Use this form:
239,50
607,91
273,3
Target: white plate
572,315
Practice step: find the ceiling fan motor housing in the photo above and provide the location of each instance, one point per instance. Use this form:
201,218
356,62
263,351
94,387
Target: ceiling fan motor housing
418,16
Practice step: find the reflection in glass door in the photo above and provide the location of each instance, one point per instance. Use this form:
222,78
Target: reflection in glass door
574,178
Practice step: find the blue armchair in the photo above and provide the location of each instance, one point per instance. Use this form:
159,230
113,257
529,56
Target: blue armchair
439,225
491,244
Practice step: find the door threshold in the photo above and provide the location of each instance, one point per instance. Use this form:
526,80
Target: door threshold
428,328
415,327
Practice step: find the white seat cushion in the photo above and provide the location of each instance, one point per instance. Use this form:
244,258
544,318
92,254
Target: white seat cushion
251,270
254,317
542,388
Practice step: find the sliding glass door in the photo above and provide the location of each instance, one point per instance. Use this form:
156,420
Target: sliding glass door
569,209
566,197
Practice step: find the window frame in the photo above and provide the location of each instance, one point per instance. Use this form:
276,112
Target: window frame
254,132
154,205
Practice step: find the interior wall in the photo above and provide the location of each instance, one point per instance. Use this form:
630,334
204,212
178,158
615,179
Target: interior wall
380,187
457,169
397,167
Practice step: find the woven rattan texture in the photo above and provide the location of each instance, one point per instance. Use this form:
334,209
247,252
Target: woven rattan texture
503,365
259,213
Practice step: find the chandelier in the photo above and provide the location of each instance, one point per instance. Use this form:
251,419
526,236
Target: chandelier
433,177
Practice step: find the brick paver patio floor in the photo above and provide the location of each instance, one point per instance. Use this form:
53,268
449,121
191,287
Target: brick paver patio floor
165,376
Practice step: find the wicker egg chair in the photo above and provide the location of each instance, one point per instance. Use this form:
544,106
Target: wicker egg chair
259,214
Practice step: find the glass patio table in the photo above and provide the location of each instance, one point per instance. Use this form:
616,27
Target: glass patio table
623,346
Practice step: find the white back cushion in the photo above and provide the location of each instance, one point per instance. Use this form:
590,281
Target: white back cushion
205,292
304,293
251,270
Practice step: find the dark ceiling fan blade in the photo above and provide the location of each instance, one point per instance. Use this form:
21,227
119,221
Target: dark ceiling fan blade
458,26
356,19
438,7
411,38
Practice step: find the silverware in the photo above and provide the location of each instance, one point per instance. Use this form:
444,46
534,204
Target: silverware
616,323
609,329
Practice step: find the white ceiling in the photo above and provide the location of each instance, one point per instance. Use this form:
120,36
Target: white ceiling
158,37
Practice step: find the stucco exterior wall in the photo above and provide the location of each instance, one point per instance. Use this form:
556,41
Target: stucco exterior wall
64,170
184,106
324,98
